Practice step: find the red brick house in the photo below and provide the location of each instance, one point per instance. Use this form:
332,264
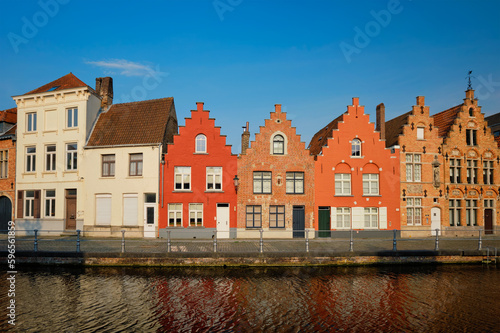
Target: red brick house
422,188
198,172
356,176
471,169
276,182
8,120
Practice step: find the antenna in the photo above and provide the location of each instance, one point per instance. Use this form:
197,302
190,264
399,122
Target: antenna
469,76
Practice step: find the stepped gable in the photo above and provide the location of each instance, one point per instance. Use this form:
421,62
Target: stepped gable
445,119
394,128
320,139
143,122
68,81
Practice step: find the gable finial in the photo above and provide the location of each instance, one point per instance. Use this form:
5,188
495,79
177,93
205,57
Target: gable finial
469,76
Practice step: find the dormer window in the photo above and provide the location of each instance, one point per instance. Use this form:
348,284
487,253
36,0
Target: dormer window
356,148
278,145
201,144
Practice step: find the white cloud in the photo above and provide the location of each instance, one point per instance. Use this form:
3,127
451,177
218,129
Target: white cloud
123,67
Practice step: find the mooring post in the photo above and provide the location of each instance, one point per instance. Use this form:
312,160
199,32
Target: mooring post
351,242
436,247
394,242
480,244
307,240
123,241
35,244
169,244
261,243
215,241
78,241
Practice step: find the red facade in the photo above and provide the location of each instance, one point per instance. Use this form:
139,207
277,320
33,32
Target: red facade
356,176
199,196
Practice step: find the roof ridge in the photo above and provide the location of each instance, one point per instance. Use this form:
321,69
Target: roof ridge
146,100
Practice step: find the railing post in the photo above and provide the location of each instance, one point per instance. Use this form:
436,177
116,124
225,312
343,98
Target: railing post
394,242
215,241
307,240
261,243
123,241
78,241
480,244
351,242
35,244
169,243
436,247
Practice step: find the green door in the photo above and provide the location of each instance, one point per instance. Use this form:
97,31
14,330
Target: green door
324,222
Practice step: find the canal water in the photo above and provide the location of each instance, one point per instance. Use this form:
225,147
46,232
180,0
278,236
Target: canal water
428,298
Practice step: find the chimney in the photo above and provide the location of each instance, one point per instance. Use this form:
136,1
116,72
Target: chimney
245,140
104,87
381,120
421,100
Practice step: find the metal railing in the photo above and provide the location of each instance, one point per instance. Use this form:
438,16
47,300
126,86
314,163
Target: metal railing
267,241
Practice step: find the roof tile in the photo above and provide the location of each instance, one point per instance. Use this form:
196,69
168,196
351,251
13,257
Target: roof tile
68,81
9,115
320,139
444,119
394,127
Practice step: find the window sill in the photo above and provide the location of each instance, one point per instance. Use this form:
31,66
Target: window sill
49,131
30,133
214,191
270,193
195,227
44,173
343,195
70,171
357,157
29,173
182,191
295,193
107,177
71,129
371,195
195,153
134,177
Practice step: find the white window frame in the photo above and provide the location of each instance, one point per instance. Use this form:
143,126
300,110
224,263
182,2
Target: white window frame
50,204
370,184
472,172
455,211
488,172
175,215
413,167
196,213
29,204
71,156
31,159
471,137
214,178
72,117
31,122
471,212
182,177
356,148
343,218
278,144
455,170
4,164
200,145
50,158
414,211
342,184
370,217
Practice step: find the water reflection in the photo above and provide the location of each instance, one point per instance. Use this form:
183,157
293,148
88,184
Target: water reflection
383,299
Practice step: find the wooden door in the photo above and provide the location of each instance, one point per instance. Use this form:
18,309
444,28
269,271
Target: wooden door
299,224
488,221
70,209
324,222
5,213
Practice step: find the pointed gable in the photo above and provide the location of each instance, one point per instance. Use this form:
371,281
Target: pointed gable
68,81
145,122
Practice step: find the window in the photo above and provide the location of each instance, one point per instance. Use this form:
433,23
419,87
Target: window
470,137
488,172
30,159
4,164
31,122
182,178
420,133
471,212
71,156
135,166
72,117
29,203
356,147
413,211
295,182
471,112
214,178
254,216
108,165
262,182
455,171
276,216
370,184
472,172
278,145
371,217
343,217
488,203
413,167
201,143
103,209
130,209
175,215
50,203
195,215
50,158
342,184
150,197
455,207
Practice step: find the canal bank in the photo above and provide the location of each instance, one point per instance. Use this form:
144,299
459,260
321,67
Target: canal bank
255,260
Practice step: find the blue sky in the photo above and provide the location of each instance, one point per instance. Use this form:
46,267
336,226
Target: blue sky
241,57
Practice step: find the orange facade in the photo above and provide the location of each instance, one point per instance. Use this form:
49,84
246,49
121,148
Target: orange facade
356,177
197,182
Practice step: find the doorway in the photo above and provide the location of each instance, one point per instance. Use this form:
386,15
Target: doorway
5,213
70,209
324,222
298,223
435,220
222,220
488,221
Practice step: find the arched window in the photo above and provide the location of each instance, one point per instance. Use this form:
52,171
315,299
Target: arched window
471,112
278,145
201,143
356,147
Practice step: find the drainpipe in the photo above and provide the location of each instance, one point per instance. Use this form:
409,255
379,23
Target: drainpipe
160,185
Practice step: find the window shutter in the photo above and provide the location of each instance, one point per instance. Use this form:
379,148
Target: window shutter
20,203
382,217
103,210
333,218
357,218
130,211
36,208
